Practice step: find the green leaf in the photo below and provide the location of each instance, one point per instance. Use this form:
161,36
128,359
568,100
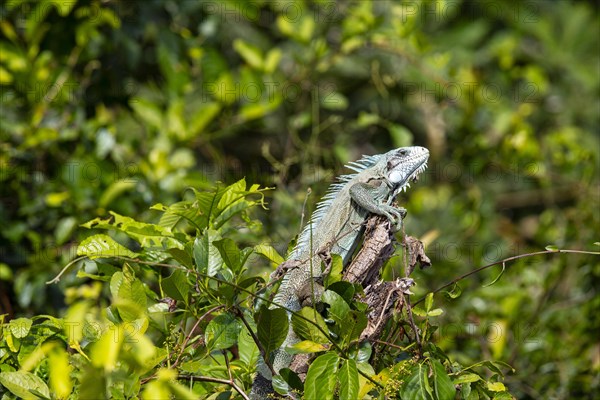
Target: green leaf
455,292
20,327
105,352
496,386
177,286
268,252
429,302
552,247
307,330
230,253
286,381
23,384
442,384
272,328
333,100
115,190
306,347
321,377
60,373
416,385
503,396
251,54
466,378
103,246
182,257
148,112
435,312
348,378
124,286
207,256
181,211
272,60
338,308
202,117
222,332
148,235
344,289
498,277
352,327
335,274
247,348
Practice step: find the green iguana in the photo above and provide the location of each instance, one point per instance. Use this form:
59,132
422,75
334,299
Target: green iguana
336,227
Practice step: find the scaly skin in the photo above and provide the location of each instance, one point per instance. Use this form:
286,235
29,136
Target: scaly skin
337,226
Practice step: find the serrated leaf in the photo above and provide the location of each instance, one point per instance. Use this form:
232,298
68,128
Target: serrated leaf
177,286
23,384
272,328
321,377
308,331
103,246
222,332
443,387
348,378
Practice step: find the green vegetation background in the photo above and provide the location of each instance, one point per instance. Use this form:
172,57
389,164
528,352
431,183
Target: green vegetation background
118,105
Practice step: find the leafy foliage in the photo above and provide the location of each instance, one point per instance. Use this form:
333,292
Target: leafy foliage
111,110
181,304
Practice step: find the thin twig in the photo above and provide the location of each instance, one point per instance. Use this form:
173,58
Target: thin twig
411,320
473,272
189,335
262,350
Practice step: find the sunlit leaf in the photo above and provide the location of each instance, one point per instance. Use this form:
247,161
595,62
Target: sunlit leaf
321,377
348,378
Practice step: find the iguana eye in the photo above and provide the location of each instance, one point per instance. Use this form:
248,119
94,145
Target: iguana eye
402,152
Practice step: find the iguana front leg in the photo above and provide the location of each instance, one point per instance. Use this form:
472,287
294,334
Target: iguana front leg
370,199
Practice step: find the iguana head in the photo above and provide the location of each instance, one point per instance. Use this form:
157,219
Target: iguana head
404,165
